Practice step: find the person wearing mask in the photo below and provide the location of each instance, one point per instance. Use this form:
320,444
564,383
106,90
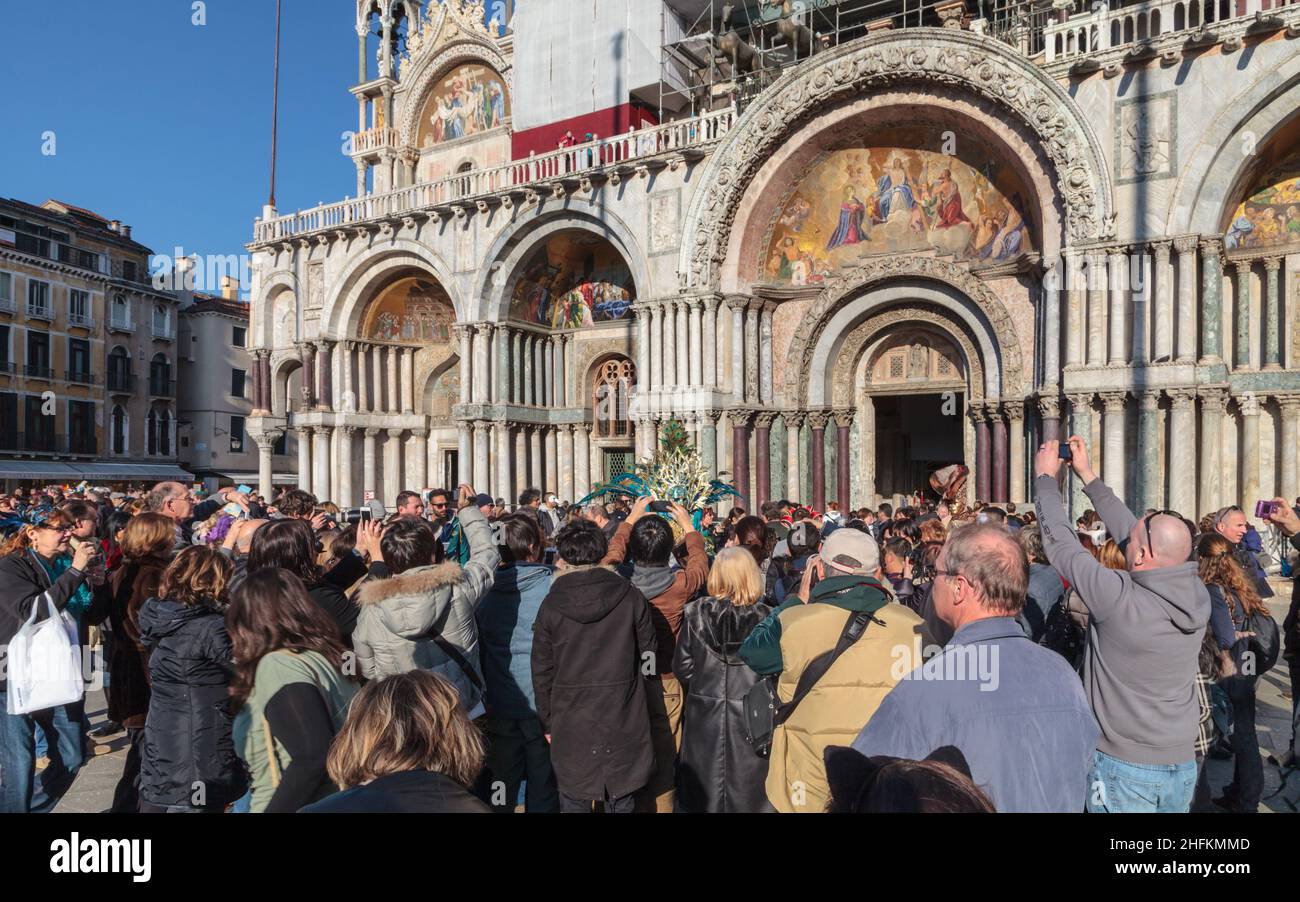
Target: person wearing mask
646,541
290,690
841,602
517,749
592,636
148,543
1015,709
1144,635
1232,592
189,763
422,616
1231,523
27,565
407,747
718,770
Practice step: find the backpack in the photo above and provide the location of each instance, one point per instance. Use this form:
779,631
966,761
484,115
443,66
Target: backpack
1265,646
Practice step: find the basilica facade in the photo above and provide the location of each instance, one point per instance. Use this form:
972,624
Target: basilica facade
931,242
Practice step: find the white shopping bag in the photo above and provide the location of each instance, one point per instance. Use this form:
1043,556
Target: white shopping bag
44,667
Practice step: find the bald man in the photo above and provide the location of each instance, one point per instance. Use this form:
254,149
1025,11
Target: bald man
1144,635
1014,708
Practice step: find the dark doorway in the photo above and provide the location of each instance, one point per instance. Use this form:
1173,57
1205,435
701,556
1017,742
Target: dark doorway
916,435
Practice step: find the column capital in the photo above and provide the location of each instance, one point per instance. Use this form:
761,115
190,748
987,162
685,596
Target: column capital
765,418
1050,407
1242,267
844,417
1114,400
463,330
709,417
1290,404
756,306
1182,398
586,427
1211,246
1213,399
371,432
349,430
1186,244
1248,404
794,419
737,301
740,417
1149,401
1014,410
710,302
817,419
1081,399
419,433
395,434
306,431
1272,264
269,437
1161,250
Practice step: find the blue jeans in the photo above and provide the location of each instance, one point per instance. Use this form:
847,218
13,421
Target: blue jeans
1122,787
20,789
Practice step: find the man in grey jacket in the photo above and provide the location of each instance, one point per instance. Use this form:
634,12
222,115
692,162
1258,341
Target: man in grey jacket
1144,635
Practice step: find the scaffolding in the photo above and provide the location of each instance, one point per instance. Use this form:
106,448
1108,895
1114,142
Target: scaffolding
717,53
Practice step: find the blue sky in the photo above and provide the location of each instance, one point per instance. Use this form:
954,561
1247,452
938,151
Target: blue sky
167,126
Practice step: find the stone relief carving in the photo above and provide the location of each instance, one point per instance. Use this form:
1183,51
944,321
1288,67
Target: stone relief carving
1146,138
665,215
944,57
315,286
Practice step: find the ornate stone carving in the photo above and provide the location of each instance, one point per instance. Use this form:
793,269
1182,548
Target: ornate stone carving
946,57
1182,398
900,266
1114,401
844,417
794,419
817,419
740,417
765,418
1050,407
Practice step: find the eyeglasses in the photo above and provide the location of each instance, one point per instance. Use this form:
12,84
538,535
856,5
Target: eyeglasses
437,504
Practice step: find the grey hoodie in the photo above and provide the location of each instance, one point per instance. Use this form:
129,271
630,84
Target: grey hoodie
1143,639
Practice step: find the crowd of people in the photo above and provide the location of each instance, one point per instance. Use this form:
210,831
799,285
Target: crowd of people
465,655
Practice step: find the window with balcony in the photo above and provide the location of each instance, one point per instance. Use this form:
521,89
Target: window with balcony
38,427
239,336
161,321
81,427
6,291
88,260
38,355
120,317
237,379
9,422
236,435
78,307
160,377
119,426
119,370
38,299
78,360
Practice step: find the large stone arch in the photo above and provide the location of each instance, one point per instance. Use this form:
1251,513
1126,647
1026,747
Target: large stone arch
370,269
893,281
442,361
863,339
284,363
1211,179
495,283
937,57
432,67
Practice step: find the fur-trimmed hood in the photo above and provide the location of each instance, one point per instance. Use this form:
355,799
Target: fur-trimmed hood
420,581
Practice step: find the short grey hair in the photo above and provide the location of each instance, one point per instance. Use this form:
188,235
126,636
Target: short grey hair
993,562
163,492
1031,542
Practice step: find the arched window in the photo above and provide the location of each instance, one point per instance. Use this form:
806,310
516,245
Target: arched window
121,313
160,375
612,397
151,433
119,430
464,185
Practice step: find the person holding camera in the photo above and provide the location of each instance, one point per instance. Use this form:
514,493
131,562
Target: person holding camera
27,564
1144,636
1287,518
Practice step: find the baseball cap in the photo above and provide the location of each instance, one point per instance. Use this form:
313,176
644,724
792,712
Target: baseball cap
853,551
482,499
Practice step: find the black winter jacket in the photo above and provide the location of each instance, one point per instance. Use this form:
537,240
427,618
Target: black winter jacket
591,636
717,769
189,757
411,792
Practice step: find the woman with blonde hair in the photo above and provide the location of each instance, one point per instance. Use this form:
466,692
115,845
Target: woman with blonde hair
1233,594
407,747
717,769
187,741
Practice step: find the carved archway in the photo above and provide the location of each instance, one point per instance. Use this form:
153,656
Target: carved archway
860,340
948,57
982,312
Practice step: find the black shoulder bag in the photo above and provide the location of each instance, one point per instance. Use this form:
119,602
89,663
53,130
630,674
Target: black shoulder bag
764,711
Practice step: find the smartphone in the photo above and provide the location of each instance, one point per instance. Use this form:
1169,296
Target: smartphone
1265,509
1065,452
660,507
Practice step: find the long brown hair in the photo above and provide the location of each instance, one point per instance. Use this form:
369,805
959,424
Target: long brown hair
198,574
751,535
271,611
148,535
1217,567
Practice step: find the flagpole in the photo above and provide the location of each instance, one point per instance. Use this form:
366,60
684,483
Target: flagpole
275,103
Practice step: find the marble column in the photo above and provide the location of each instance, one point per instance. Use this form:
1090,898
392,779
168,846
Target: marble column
465,452
1213,401
516,367
980,414
1051,298
482,478
1149,459
643,372
1080,425
793,426
479,379
304,457
582,461
1272,315
1049,408
1118,285
765,353
817,421
682,372
1141,304
1185,247
709,376
394,381
656,346
1290,405
1163,337
1211,301
763,457
521,464
408,381
377,382
501,487
1096,310
496,335
347,436
393,474
1241,309
867,430
308,354
347,403
466,336
1016,442
738,363
266,461
267,388
1182,451
535,475
321,460
1075,295
843,483
369,475
254,388
753,362
1000,481
566,463
669,319
1250,490
1113,458
740,420
695,334
709,441
417,448
552,461
363,378
324,376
